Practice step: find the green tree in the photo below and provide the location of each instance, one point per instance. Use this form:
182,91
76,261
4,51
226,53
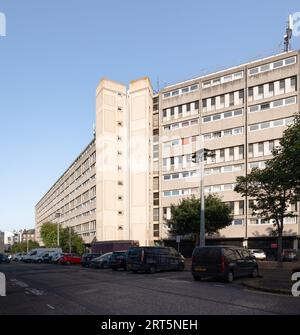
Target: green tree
185,217
286,157
67,238
22,247
272,196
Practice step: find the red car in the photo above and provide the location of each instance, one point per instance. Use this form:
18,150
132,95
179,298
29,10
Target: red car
70,259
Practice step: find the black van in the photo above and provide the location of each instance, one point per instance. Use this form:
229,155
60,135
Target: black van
152,259
226,262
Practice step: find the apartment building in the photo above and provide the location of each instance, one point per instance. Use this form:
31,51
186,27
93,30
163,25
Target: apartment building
142,152
71,201
240,114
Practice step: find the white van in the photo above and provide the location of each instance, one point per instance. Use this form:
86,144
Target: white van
35,254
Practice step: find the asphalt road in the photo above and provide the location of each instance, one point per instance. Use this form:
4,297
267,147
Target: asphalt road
53,289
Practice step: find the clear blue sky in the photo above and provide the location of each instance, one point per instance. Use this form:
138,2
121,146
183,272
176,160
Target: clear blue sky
56,51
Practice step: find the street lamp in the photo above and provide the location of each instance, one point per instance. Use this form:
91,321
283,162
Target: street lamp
200,157
57,216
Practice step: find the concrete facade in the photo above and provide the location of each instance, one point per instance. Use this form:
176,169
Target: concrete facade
144,144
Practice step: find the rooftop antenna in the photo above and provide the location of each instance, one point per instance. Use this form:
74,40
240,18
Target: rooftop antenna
94,130
288,34
157,85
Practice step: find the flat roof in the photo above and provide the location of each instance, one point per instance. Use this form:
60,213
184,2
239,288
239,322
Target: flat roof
227,69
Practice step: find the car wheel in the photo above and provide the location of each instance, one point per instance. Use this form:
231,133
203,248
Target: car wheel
229,277
152,269
39,261
197,278
254,273
68,263
180,267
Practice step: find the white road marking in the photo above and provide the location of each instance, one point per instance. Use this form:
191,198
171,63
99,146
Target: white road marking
35,291
51,307
219,285
18,283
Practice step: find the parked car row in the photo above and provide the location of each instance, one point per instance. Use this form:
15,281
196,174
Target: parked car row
225,262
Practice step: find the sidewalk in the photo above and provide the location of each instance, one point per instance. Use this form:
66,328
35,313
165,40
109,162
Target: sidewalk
273,278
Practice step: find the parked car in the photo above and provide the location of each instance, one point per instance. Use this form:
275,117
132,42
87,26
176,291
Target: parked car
4,259
289,255
69,259
118,260
35,255
18,257
87,258
259,254
152,259
101,262
226,262
54,258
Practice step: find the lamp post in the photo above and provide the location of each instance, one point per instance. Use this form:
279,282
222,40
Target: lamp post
57,216
200,157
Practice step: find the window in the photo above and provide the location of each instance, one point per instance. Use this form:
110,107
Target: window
204,103
261,89
188,107
222,99
174,93
261,148
271,146
254,109
293,82
241,94
250,92
185,141
213,101
265,106
241,152
172,111
241,207
254,127
238,112
291,100
282,84
265,125
250,150
278,64
222,155
271,87
254,70
231,99
278,123
196,105
217,117
291,60
227,114
155,214
265,67
156,182
179,110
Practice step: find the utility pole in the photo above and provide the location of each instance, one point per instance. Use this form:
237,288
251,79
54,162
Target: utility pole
57,215
70,240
